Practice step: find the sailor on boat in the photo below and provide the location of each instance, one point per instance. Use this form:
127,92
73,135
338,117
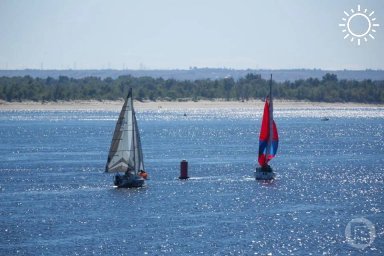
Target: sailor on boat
143,174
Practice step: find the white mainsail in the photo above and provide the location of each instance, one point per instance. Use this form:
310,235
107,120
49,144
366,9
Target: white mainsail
125,152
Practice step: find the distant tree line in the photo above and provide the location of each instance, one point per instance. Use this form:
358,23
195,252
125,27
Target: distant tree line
252,86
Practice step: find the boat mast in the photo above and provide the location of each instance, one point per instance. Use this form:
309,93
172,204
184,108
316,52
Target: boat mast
133,131
270,110
270,124
138,146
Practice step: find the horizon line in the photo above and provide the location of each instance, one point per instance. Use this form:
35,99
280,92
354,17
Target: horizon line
191,68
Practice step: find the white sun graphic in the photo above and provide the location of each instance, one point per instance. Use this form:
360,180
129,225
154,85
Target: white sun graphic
359,25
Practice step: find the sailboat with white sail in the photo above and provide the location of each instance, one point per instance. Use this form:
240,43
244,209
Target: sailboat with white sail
125,156
268,140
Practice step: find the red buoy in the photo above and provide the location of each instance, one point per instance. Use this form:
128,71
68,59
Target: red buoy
183,170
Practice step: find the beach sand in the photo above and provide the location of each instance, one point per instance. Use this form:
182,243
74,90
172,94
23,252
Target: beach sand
168,105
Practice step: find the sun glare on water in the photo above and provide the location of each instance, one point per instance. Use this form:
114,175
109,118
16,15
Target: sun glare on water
359,25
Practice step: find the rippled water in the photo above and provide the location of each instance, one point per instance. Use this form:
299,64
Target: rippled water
56,200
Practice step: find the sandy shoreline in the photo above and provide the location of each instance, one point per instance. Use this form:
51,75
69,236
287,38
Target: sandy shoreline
171,105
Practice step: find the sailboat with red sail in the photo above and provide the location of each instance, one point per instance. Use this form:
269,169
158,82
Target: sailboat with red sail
268,140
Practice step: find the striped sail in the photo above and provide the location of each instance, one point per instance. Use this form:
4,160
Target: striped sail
269,138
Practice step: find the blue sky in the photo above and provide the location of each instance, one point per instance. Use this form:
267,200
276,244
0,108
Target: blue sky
179,34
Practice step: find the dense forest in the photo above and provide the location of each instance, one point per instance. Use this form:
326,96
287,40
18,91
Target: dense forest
252,86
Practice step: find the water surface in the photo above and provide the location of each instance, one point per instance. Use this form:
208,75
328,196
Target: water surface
56,200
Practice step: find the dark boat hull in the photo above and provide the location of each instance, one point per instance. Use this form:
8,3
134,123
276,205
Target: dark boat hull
128,181
262,174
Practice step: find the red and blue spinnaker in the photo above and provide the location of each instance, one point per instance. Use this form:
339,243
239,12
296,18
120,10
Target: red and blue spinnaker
269,138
